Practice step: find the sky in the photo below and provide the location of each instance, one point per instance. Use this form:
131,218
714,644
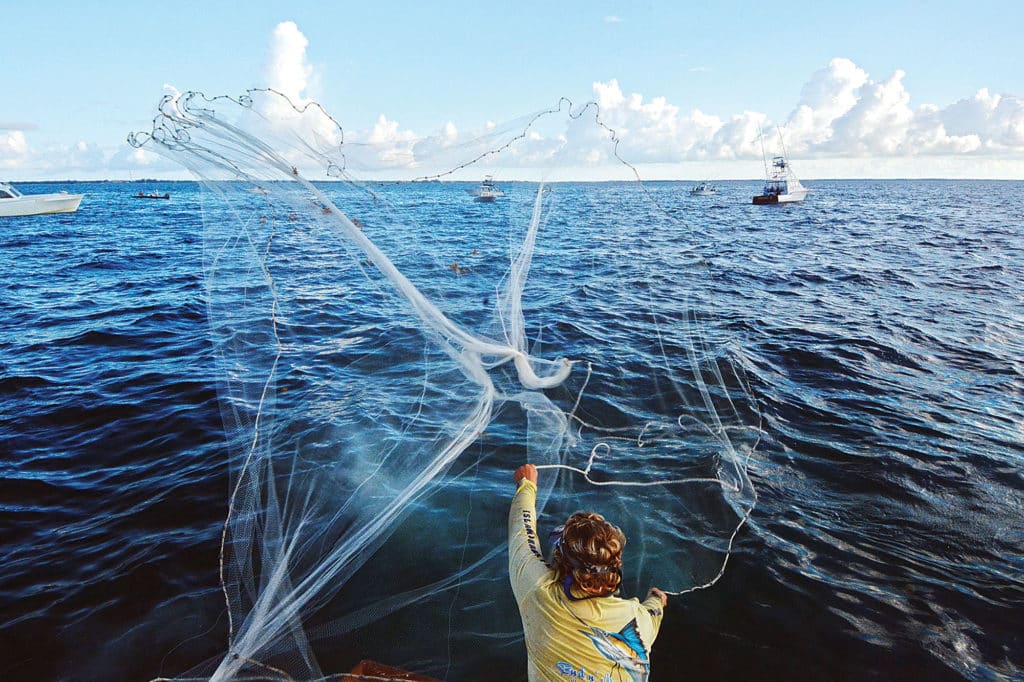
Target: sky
866,89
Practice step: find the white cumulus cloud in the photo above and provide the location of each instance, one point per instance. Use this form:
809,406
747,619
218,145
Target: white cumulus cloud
654,131
878,122
829,94
391,144
287,69
997,119
649,131
842,113
14,149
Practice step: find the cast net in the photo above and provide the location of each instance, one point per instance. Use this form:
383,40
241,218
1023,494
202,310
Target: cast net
391,351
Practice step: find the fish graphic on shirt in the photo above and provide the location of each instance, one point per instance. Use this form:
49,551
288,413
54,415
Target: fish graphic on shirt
623,648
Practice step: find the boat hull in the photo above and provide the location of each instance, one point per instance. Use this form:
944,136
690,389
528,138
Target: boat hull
372,670
790,198
40,204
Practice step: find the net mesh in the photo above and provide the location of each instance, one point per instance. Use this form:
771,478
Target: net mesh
389,352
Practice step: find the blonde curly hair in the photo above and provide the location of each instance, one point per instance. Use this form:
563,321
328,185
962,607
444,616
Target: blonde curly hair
589,549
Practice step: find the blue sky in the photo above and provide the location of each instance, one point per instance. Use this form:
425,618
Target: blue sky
888,89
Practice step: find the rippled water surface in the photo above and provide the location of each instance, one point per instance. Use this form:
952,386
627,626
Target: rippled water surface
881,325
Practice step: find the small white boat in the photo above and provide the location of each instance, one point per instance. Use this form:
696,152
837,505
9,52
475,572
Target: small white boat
782,185
487,191
14,203
703,189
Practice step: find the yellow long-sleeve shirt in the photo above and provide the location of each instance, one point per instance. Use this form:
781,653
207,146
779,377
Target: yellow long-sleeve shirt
603,639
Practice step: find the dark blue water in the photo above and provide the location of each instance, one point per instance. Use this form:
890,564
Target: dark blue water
882,328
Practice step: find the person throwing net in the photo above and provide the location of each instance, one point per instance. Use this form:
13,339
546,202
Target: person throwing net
576,625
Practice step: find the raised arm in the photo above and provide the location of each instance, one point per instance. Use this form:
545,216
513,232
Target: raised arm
526,565
654,605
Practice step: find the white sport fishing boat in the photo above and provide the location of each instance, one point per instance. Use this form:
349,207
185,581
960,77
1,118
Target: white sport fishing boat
487,191
703,189
14,203
782,185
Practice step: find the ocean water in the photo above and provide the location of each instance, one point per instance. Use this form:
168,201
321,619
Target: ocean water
882,329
